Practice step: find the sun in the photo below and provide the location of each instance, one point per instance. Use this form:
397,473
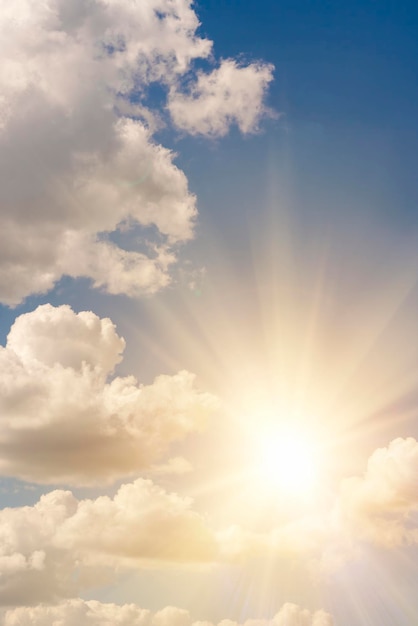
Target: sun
288,462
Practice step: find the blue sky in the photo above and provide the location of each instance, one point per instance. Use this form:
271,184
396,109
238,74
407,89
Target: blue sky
345,81
293,304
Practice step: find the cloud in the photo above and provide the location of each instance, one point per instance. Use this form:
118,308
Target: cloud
65,418
78,612
292,615
304,538
61,544
380,508
382,505
92,613
175,466
31,569
81,176
141,522
230,94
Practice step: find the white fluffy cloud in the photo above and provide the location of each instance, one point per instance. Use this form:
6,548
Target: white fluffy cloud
230,94
141,522
77,157
382,506
61,544
91,613
64,418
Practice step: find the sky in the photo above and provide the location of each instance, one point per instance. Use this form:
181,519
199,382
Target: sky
208,288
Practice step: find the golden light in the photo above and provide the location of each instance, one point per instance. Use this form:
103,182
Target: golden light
288,462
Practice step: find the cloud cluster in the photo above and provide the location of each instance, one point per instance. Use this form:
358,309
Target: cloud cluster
78,163
382,505
64,418
61,544
91,613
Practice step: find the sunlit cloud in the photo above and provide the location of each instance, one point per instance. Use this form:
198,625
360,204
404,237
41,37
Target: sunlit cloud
92,613
267,439
106,426
377,508
229,94
78,158
382,505
62,544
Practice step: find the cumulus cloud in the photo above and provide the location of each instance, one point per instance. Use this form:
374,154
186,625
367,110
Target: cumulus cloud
78,163
92,613
31,569
141,522
230,94
382,505
65,418
61,544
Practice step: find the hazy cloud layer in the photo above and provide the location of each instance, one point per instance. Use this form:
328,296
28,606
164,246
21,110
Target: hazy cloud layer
77,157
303,537
64,418
62,544
91,613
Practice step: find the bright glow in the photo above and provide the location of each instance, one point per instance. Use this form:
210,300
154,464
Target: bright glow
288,462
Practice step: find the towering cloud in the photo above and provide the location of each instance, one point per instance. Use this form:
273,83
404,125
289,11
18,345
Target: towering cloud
64,418
79,167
